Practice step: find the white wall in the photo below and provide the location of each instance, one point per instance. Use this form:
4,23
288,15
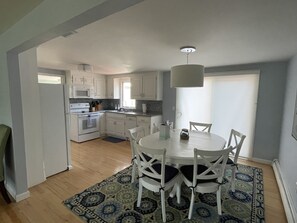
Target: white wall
288,145
32,117
35,28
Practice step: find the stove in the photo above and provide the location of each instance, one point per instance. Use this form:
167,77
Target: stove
84,125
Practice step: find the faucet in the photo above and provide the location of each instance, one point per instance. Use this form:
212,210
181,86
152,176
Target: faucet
121,109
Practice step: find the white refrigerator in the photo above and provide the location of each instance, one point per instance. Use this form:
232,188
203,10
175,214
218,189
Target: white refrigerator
54,103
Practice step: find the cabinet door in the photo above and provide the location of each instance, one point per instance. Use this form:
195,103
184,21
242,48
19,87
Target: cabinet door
109,87
149,90
100,87
136,87
120,127
77,78
144,122
110,126
130,123
102,123
88,79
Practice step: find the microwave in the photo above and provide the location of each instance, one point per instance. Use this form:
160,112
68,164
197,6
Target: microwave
82,91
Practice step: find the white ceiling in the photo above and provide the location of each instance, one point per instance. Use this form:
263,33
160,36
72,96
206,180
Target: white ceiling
147,36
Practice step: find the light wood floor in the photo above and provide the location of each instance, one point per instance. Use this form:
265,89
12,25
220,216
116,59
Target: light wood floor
94,161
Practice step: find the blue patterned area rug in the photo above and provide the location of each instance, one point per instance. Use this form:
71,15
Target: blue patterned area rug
114,200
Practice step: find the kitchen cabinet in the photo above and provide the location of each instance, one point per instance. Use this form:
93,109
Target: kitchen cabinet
102,124
76,77
150,124
115,124
99,86
130,123
147,86
112,87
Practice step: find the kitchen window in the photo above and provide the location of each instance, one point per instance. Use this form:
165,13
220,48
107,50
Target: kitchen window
126,101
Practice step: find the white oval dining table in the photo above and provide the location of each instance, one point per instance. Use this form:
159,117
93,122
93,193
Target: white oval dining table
180,151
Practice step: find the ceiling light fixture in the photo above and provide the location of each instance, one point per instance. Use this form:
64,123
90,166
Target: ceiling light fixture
187,75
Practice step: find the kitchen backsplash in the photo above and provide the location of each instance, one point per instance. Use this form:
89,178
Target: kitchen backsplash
111,104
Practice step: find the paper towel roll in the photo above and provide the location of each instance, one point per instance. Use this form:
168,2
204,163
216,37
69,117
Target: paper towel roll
144,108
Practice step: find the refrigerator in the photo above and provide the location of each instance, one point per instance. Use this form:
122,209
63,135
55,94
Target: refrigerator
55,120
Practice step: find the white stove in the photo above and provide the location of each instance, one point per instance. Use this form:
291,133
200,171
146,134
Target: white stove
84,124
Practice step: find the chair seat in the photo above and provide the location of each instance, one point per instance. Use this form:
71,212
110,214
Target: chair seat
230,162
170,172
187,171
147,158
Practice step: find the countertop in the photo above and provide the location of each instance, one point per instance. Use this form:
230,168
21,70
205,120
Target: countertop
133,113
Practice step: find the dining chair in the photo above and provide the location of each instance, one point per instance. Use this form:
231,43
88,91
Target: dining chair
205,175
135,135
197,126
155,175
235,140
4,136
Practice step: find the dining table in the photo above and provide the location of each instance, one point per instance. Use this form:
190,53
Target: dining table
180,151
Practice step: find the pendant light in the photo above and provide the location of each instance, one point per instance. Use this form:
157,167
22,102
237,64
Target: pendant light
187,75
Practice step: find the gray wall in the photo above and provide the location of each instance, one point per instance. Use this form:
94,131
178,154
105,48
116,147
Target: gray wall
269,110
288,145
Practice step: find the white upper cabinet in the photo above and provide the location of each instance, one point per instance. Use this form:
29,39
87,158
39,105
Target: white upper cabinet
147,86
112,87
77,77
99,86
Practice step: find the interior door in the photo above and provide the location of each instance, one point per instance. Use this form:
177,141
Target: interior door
54,135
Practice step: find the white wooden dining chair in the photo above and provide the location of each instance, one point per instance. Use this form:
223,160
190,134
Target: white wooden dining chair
135,135
235,140
206,178
155,175
198,126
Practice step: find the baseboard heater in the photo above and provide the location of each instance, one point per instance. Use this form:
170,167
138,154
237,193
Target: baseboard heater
286,198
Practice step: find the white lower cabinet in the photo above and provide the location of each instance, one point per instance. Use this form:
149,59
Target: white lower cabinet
118,124
150,124
115,124
102,123
130,123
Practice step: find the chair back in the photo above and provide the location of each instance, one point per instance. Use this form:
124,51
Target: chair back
214,163
4,135
135,135
145,166
197,126
236,140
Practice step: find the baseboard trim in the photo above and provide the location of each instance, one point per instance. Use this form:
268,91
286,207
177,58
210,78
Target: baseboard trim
285,195
269,162
17,197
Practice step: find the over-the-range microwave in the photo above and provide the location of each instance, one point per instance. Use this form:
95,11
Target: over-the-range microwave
82,91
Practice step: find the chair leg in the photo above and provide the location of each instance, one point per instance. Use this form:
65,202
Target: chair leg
219,204
4,192
133,172
191,204
139,194
163,205
233,179
178,192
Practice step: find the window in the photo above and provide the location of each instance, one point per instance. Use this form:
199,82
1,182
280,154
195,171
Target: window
228,102
50,79
126,101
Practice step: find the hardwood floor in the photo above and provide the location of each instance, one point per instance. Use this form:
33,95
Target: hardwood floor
94,161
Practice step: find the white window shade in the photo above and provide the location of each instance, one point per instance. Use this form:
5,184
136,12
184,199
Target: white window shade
228,102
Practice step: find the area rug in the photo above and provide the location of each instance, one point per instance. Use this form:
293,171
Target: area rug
114,200
113,139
